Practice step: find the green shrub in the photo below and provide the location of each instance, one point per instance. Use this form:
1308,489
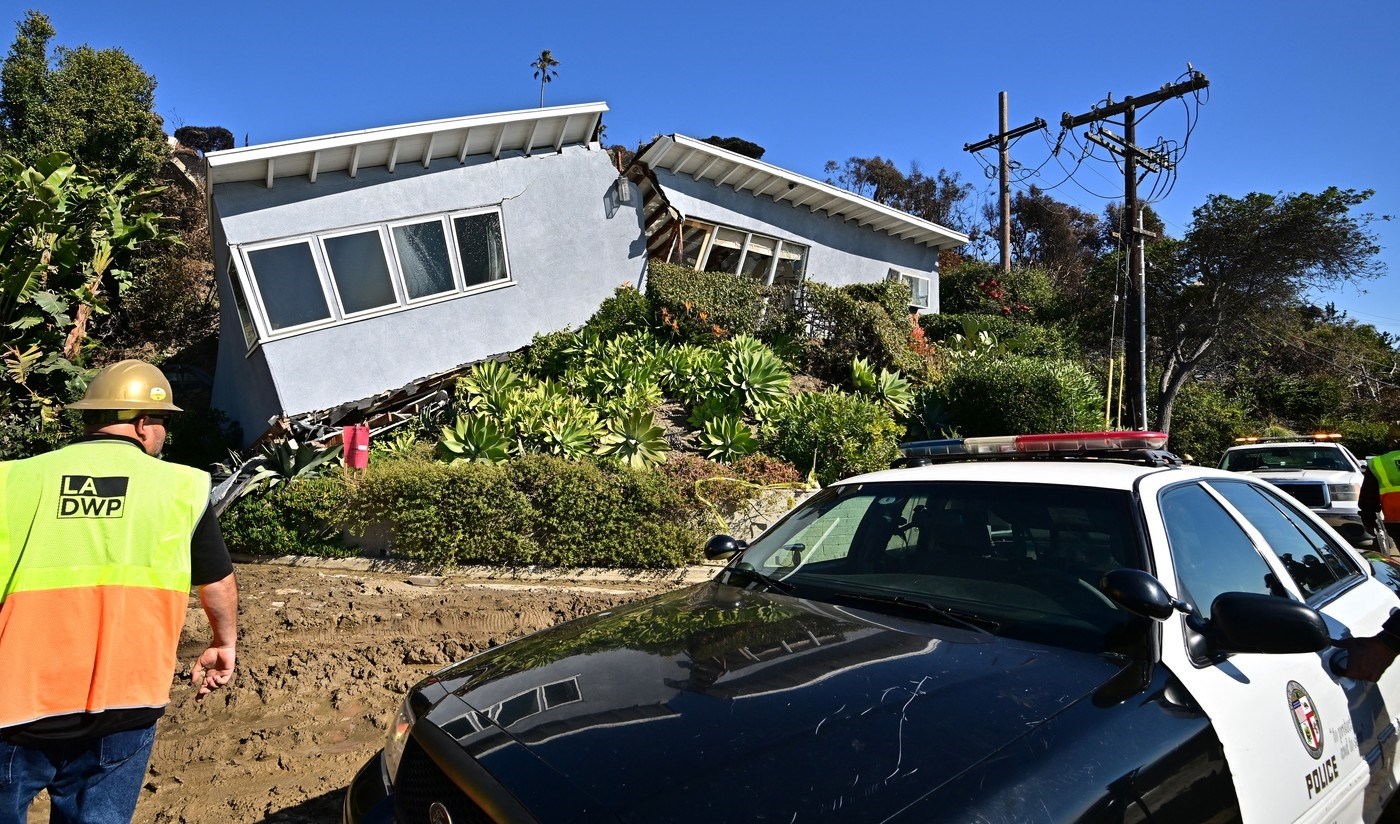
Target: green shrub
845,434
1205,422
1035,340
848,327
547,356
628,310
1017,395
703,306
587,514
977,287
301,518
445,514
1363,438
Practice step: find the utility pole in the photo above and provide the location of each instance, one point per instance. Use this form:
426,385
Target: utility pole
1002,141
1133,157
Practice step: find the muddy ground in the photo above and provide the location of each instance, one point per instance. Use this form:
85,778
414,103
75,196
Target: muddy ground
324,658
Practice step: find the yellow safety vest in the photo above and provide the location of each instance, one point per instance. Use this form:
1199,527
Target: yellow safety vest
94,578
1387,471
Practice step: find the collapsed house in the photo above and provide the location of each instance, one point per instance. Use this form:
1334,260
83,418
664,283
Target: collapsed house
360,272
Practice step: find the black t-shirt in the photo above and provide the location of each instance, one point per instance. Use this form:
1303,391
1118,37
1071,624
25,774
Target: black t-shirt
209,562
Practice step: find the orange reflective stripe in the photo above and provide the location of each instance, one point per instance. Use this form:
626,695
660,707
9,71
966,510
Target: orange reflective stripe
1390,506
87,650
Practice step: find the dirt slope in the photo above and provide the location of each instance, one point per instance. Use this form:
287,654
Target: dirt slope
324,658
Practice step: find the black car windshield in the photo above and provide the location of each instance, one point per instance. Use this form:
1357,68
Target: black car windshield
1018,560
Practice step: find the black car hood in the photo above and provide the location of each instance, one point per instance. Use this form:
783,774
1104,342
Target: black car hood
716,703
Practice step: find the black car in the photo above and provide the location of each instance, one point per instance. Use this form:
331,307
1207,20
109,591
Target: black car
1079,639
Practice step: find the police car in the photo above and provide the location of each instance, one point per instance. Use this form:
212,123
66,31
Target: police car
1036,628
1315,469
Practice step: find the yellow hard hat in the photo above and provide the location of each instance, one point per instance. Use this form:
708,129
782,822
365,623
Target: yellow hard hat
128,386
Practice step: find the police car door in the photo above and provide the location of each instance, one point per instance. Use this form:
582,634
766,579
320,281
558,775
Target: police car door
1297,738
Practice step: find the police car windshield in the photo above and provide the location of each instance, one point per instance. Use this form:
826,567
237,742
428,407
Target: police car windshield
1026,558
1285,458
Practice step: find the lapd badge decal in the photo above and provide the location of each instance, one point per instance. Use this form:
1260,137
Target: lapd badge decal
1305,718
85,496
157,393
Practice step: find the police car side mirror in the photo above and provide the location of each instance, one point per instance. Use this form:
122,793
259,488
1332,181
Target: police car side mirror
1141,594
723,546
1250,622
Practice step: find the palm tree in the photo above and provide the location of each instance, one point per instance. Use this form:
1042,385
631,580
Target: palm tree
544,70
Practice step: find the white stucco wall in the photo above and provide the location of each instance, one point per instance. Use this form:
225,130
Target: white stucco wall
841,252
567,243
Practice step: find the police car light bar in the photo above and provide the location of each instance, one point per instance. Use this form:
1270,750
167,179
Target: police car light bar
1036,444
1316,436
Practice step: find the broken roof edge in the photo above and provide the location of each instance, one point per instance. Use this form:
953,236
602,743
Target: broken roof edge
221,163
853,206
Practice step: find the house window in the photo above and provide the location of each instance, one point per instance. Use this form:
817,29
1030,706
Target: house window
918,287
758,257
481,247
370,270
240,303
289,285
792,262
422,251
726,250
359,271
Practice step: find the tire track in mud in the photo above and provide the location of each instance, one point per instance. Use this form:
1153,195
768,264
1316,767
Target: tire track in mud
323,661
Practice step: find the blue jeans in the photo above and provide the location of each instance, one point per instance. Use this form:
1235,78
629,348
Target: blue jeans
90,781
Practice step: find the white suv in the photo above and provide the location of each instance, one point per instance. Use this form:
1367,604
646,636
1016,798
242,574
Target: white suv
1316,470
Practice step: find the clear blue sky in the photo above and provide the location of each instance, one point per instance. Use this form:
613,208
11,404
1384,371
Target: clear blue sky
1303,95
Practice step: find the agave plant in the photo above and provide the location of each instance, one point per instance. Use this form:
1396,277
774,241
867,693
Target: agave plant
892,390
289,461
634,440
488,388
727,438
571,433
757,375
715,406
397,443
691,373
474,438
862,375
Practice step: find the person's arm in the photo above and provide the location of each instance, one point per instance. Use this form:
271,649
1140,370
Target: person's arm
214,667
1368,658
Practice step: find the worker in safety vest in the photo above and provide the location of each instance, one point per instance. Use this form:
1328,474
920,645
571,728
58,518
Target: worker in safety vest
1380,490
100,543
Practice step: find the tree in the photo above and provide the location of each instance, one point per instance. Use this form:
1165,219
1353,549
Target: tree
64,239
544,71
1243,265
940,198
205,139
737,145
94,105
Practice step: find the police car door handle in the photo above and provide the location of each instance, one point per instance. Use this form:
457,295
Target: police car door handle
1337,660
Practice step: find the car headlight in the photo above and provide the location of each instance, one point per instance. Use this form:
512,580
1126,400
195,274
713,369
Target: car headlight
398,739
1344,492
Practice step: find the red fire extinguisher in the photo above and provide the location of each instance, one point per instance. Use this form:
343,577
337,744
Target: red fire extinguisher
356,439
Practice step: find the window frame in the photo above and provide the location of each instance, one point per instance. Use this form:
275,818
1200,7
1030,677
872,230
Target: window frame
394,283
239,256
246,251
707,245
247,319
906,276
1290,511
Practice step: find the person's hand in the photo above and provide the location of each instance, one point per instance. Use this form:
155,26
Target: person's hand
1367,658
212,670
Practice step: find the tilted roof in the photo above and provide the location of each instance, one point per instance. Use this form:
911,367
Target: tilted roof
526,131
685,155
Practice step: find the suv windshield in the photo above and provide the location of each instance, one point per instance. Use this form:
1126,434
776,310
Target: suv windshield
1285,458
1017,560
